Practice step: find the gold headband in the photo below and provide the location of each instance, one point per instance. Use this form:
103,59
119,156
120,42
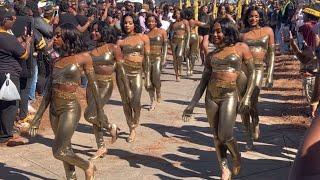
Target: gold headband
312,12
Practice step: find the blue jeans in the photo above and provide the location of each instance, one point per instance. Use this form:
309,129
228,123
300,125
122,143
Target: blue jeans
300,40
33,83
278,35
284,46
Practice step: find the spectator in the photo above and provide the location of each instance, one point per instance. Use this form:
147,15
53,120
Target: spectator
11,53
142,19
286,13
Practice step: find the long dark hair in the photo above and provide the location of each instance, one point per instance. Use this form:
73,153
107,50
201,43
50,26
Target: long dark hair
229,29
247,15
188,13
108,33
136,22
72,40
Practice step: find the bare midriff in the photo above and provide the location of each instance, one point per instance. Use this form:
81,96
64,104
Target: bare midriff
259,54
68,88
154,49
224,76
137,58
104,69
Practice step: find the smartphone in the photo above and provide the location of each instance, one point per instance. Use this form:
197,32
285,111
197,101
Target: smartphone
29,28
56,12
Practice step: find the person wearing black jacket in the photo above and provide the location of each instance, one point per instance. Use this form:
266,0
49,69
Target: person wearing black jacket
29,68
12,54
46,30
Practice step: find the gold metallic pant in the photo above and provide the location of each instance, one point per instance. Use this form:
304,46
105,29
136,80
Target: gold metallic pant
132,110
222,111
155,77
65,114
177,46
90,114
194,53
253,113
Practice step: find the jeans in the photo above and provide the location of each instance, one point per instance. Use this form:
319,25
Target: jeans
278,35
284,46
84,81
300,40
33,83
24,94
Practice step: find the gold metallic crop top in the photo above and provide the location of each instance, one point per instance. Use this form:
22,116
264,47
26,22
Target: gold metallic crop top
69,75
156,41
258,44
137,49
105,59
231,63
181,26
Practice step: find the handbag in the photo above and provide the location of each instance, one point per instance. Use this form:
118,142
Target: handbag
9,91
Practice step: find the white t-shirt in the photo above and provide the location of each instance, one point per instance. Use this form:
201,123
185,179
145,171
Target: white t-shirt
170,14
299,18
165,24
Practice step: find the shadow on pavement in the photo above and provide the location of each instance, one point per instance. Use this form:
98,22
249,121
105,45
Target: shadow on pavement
17,174
138,160
276,143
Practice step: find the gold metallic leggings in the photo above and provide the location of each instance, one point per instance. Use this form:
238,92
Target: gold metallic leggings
222,113
64,117
177,46
132,110
253,113
90,113
194,52
155,76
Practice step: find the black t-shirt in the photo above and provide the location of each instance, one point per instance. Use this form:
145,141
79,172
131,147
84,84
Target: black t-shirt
68,18
82,20
11,51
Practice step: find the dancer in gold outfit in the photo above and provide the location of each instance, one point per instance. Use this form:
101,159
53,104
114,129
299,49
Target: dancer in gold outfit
219,77
158,54
179,41
107,58
261,42
136,49
193,55
65,110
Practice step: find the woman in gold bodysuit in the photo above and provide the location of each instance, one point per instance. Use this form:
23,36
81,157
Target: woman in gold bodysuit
193,55
219,77
179,41
136,49
107,58
65,110
261,42
158,54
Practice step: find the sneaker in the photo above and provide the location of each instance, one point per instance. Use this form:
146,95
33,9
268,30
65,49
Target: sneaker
17,141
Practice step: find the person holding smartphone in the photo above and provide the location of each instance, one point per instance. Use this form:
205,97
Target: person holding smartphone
12,52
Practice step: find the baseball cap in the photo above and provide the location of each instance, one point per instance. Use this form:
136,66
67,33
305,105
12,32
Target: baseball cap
4,13
313,9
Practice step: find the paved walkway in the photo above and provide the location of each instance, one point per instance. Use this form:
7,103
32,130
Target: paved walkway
166,147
